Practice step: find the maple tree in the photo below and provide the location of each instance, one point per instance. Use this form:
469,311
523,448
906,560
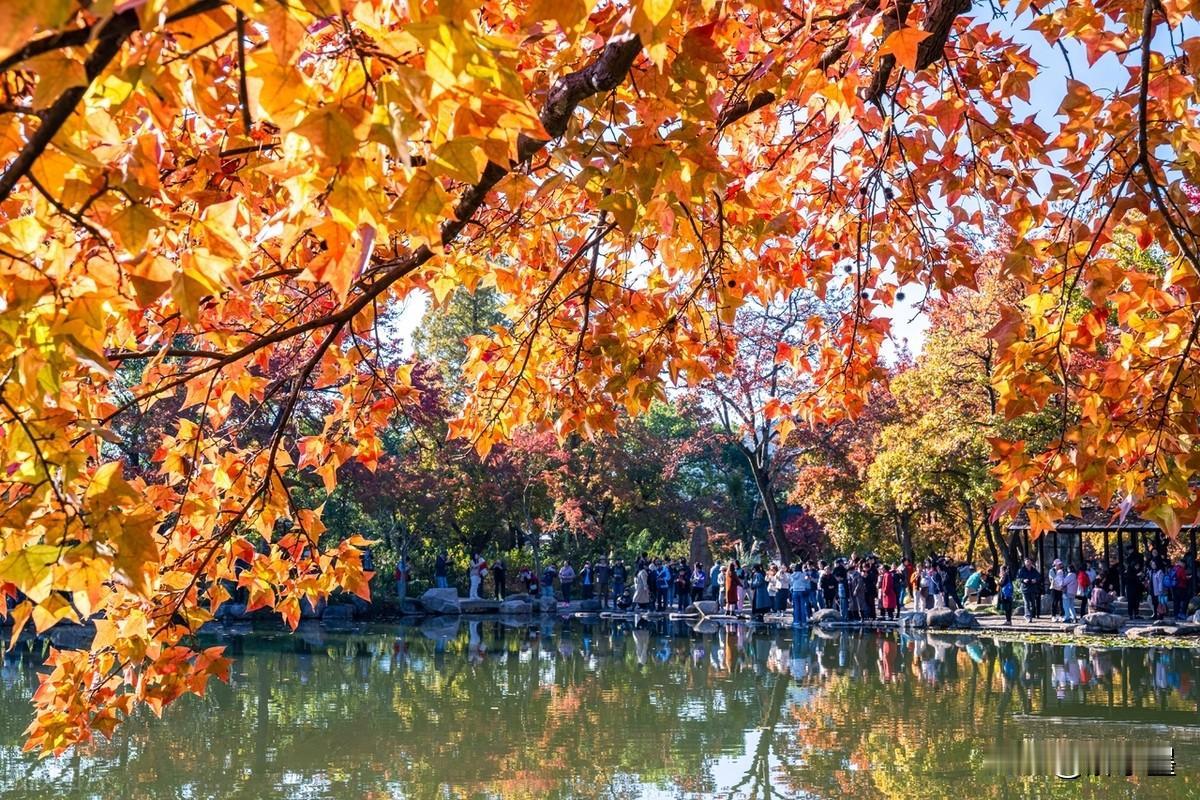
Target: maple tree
754,401
228,197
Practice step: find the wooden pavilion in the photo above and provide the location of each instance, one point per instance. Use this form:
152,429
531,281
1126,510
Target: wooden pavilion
1134,537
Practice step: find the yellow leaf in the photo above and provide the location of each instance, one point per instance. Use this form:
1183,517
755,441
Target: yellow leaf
330,132
567,13
136,551
657,10
285,33
57,72
421,207
18,20
133,225
904,44
460,159
51,610
29,569
19,617
108,484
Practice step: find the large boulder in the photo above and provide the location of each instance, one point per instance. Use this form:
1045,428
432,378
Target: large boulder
519,597
1102,622
915,619
546,605
590,605
965,619
516,607
441,601
825,615
940,618
1150,631
478,606
703,608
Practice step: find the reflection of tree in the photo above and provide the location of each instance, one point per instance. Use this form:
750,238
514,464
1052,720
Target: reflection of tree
758,776
601,711
920,720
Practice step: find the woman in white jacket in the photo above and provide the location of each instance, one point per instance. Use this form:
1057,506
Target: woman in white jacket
478,566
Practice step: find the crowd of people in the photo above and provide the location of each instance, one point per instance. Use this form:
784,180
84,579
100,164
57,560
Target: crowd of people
857,587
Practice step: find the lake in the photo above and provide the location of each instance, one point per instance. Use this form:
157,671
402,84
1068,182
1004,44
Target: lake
547,710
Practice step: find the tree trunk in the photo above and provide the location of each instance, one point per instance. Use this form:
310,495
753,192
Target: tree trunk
974,532
760,471
904,535
1011,551
992,529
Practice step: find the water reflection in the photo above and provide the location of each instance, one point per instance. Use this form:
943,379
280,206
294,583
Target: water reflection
483,709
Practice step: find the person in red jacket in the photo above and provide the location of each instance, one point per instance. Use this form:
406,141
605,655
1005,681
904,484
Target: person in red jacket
888,600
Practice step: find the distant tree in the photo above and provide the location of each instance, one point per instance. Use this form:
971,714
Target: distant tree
441,338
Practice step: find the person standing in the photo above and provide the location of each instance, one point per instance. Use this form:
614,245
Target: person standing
799,584
949,582
548,576
619,573
441,570
699,582
732,584
641,589
499,575
887,593
1057,573
586,578
1134,587
1083,585
1068,595
665,582
714,581
603,580
1182,589
478,565
871,587
829,586
1031,589
761,601
1004,594
683,586
566,579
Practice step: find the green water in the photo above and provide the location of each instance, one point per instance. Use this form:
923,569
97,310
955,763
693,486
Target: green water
556,711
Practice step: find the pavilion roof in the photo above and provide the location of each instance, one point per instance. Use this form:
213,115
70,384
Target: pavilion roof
1095,518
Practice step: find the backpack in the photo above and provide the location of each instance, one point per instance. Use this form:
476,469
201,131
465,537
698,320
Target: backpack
1082,582
1006,591
1168,580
